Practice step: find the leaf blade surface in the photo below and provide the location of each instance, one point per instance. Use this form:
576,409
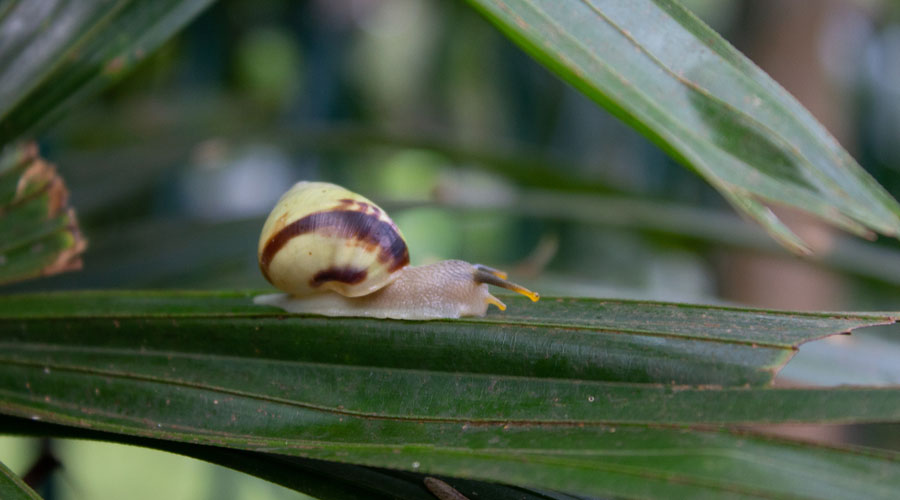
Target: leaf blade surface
221,371
660,69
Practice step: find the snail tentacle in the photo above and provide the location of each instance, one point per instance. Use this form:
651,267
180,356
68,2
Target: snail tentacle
482,275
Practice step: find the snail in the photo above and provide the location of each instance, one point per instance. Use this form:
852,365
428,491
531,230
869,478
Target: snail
335,253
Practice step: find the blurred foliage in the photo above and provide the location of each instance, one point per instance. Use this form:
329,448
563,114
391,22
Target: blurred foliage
474,90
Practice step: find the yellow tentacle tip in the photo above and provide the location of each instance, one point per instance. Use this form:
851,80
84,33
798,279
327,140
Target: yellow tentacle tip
495,301
534,296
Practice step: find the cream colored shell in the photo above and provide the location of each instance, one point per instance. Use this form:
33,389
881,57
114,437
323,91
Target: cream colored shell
323,237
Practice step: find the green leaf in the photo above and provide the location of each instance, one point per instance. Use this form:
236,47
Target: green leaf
659,68
55,54
529,396
13,488
318,478
593,459
40,233
467,398
610,340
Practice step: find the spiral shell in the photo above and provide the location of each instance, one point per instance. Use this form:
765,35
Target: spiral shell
323,237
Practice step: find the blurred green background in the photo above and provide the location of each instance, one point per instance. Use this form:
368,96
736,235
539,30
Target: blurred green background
478,152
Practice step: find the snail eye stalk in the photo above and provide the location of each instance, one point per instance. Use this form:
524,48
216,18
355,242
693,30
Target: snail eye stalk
484,274
496,272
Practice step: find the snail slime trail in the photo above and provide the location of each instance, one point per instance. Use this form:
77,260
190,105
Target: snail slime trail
336,253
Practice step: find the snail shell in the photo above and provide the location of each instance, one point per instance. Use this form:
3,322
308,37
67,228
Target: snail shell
338,254
323,237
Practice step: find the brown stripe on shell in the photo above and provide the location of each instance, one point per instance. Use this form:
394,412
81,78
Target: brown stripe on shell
360,226
346,275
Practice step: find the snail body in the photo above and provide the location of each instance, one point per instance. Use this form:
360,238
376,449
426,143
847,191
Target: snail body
334,252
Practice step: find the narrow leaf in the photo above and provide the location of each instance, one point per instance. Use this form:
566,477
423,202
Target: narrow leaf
603,340
659,68
409,395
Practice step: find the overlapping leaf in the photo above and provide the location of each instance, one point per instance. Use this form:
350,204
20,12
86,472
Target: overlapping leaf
533,396
662,70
